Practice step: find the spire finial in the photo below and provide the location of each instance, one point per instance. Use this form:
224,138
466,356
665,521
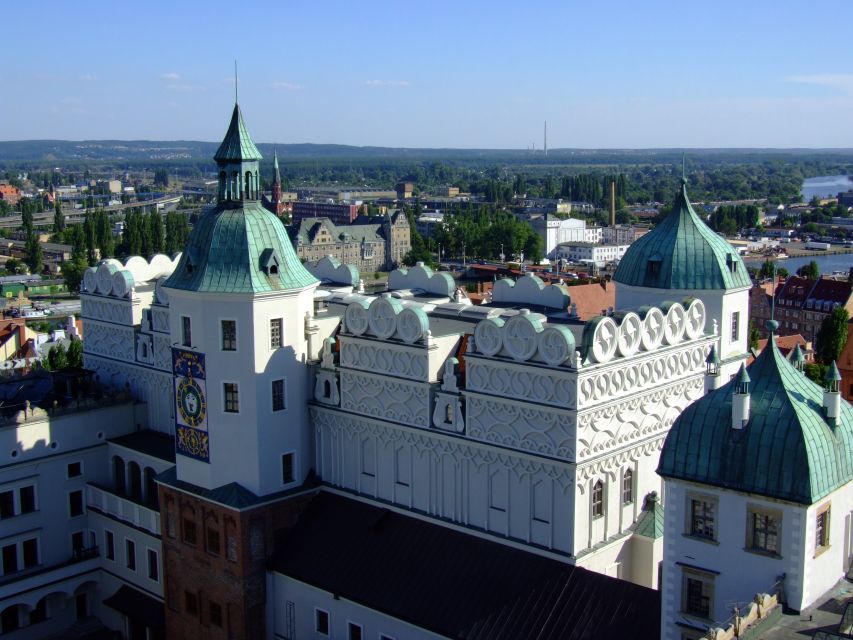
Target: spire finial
235,81
683,170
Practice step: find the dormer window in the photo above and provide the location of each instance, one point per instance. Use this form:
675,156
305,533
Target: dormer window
731,263
653,268
269,262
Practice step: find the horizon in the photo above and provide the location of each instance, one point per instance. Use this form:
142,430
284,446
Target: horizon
479,76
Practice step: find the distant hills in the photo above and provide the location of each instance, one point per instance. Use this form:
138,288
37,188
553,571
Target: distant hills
142,151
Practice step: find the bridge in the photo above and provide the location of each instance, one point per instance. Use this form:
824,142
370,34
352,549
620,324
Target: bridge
76,216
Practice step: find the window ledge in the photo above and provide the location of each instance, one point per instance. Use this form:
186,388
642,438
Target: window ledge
763,552
691,536
821,550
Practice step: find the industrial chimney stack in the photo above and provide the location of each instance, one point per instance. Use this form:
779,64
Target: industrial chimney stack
612,203
546,138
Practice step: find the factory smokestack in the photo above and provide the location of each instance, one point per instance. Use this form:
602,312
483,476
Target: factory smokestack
546,138
612,203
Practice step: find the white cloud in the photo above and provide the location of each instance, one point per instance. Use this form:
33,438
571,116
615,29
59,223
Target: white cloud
841,81
287,86
387,83
172,76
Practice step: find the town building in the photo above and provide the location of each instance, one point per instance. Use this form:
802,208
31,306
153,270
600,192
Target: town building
555,231
447,192
304,438
337,212
622,234
276,203
757,481
428,222
597,254
367,245
9,193
404,190
845,365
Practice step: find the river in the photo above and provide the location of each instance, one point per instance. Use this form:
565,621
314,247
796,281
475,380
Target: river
826,263
825,186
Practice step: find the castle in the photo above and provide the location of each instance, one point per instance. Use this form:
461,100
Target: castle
285,457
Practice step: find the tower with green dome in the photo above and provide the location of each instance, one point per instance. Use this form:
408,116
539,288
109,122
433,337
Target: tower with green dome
240,301
683,258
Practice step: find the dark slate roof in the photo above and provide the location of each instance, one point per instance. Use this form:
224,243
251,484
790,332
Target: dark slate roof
152,443
233,494
137,605
787,450
223,254
456,584
689,255
237,146
306,230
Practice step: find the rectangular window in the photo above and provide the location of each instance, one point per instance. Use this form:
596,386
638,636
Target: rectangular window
109,545
77,543
321,621
7,504
354,631
75,469
735,325
277,395
276,341
628,487
821,537
130,554
31,552
702,522
75,503
698,592
762,530
189,532
212,541
10,559
215,614
287,473
598,499
191,603
153,566
229,335
186,331
232,398
27,498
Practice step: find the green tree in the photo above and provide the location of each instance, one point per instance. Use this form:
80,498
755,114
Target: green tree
832,337
34,256
57,358
810,271
75,354
58,217
13,266
754,335
155,232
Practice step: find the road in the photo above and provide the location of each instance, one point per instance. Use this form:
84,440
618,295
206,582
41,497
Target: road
75,216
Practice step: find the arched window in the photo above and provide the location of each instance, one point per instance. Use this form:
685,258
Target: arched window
10,619
598,499
449,413
118,475
249,185
628,487
327,389
135,477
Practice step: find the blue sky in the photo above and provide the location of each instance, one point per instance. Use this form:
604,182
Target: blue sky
433,74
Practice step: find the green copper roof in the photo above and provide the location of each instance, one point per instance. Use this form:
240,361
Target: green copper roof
237,145
682,253
229,248
787,450
650,522
832,374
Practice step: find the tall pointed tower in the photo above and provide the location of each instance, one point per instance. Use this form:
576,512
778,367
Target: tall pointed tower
238,303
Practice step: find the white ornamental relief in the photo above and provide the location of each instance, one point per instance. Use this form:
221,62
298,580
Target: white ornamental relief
383,317
520,337
396,401
630,334
604,340
356,318
411,325
653,327
554,346
527,384
403,361
696,319
489,336
674,326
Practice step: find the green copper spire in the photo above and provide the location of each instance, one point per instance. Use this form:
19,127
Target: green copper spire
237,146
832,374
276,174
743,380
797,357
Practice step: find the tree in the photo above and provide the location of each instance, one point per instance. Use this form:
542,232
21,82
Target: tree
13,266
832,337
810,271
57,358
155,231
72,273
75,354
754,335
161,177
58,217
34,256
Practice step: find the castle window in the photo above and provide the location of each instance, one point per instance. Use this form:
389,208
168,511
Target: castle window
321,622
762,530
598,499
189,531
229,335
191,603
153,566
735,325
821,532
211,542
277,395
628,487
287,471
109,545
130,554
232,397
697,593
186,331
702,517
275,333
355,632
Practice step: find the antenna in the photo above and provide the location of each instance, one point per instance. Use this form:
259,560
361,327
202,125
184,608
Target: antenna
235,81
773,297
546,138
683,172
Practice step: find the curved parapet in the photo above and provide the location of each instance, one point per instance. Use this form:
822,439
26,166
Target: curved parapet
161,295
123,282
138,268
161,266
90,280
422,277
330,270
106,270
531,290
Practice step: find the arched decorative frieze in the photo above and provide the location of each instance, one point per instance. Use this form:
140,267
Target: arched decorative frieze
695,318
653,327
600,337
397,401
356,317
556,345
412,324
382,316
630,334
674,325
520,335
398,361
489,336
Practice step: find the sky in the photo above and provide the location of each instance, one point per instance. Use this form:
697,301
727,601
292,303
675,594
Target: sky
436,73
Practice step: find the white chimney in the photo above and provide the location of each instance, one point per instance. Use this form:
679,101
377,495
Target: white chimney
712,370
740,400
831,395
